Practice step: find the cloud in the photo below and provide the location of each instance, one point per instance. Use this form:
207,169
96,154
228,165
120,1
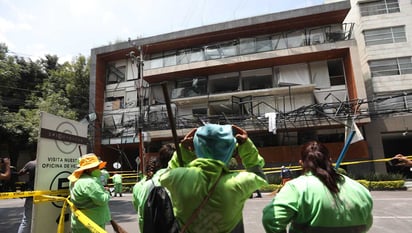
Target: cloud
8,25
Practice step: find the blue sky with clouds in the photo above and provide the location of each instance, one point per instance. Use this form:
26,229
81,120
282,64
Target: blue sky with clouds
67,28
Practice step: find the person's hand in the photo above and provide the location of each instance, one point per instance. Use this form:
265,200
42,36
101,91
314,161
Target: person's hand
403,160
240,134
187,141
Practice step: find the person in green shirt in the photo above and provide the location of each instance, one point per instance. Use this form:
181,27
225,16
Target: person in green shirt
104,177
320,200
154,168
206,152
88,194
118,186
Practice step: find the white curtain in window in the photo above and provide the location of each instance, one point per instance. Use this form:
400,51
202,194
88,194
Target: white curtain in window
294,74
320,74
157,94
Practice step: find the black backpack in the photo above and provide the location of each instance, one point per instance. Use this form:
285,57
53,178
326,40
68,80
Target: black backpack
158,213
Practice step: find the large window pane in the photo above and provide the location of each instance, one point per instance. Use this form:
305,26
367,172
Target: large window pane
379,7
384,67
385,35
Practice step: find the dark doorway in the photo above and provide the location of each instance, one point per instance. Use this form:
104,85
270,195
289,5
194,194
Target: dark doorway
397,143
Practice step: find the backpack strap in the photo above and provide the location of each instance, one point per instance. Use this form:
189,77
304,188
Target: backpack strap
203,203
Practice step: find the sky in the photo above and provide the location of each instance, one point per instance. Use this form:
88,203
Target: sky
69,28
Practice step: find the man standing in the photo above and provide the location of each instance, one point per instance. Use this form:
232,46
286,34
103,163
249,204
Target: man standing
30,169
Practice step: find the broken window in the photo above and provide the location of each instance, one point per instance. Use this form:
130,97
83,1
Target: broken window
257,79
223,83
190,87
115,73
336,72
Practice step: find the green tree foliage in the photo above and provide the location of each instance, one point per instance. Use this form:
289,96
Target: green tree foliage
28,87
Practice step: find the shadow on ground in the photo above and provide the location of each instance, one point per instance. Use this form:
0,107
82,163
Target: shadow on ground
122,211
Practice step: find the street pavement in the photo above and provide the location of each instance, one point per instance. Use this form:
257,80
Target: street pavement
392,213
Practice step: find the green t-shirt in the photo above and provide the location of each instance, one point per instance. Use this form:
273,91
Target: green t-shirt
90,197
307,203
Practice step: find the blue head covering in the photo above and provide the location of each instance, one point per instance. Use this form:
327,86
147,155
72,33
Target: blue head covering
215,142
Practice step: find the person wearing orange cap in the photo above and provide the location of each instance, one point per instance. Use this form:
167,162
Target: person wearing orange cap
88,194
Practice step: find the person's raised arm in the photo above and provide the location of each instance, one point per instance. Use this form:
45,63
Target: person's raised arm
248,152
187,150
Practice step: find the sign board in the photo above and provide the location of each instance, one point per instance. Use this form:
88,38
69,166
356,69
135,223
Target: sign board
60,144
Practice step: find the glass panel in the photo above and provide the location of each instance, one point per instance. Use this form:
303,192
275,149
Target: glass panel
295,39
278,42
263,44
247,46
385,35
405,65
316,36
182,57
169,58
212,52
384,67
379,7
197,55
156,63
229,49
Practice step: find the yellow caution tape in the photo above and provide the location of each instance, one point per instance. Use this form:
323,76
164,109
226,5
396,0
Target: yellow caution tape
296,168
11,195
86,221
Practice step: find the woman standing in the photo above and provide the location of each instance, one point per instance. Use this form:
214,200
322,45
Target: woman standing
320,200
88,194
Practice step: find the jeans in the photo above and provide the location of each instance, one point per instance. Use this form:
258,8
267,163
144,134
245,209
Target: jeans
25,225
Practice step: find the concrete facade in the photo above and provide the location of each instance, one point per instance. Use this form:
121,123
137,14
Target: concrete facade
387,134
301,64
